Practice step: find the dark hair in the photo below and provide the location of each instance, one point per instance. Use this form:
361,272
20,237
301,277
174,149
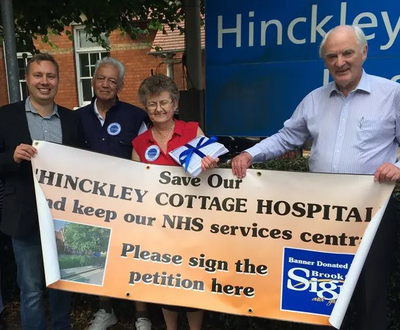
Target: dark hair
42,57
157,84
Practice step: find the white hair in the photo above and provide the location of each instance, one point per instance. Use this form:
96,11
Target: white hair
114,62
361,39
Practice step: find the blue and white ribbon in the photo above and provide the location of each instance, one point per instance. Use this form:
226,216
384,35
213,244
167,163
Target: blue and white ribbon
185,156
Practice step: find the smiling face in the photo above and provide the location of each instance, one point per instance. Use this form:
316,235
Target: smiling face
105,83
160,108
42,81
344,57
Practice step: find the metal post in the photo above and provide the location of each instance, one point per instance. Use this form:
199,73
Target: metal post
193,44
194,111
170,61
7,16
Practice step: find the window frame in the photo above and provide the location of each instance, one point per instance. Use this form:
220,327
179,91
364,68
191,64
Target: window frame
20,55
78,50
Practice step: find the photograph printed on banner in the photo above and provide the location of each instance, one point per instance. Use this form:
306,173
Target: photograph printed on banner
82,251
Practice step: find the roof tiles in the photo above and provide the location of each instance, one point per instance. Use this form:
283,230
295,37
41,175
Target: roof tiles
172,41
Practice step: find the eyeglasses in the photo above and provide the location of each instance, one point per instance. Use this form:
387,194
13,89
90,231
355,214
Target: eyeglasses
152,106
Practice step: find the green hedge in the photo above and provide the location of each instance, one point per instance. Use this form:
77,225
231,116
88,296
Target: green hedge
70,261
212,320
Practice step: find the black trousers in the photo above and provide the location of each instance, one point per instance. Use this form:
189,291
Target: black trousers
369,301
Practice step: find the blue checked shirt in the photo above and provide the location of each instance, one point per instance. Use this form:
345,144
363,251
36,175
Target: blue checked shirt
354,134
43,128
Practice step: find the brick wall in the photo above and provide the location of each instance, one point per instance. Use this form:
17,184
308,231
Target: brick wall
138,64
132,53
3,81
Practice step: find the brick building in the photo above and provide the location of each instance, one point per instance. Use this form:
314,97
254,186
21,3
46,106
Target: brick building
78,57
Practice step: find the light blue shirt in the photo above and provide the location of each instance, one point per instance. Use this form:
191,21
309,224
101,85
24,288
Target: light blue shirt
43,128
354,134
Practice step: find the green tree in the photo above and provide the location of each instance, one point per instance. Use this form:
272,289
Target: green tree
86,239
37,19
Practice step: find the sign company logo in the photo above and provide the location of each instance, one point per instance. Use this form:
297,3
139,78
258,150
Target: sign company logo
312,280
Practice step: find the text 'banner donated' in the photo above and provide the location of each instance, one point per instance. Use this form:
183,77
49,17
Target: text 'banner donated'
275,244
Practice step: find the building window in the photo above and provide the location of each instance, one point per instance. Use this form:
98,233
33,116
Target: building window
23,56
87,53
23,59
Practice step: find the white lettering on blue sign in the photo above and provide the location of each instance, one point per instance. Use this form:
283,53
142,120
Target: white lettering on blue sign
325,285
365,20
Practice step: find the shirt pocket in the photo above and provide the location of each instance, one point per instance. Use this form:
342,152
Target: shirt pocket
375,132
125,138
125,142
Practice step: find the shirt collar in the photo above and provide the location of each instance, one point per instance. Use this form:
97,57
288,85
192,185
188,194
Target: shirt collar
94,98
96,110
178,127
97,113
363,85
30,108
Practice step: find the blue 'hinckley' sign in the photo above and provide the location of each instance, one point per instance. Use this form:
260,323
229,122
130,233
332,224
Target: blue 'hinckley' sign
262,56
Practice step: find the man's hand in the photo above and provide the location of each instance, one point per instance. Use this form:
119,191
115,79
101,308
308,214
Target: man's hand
24,152
208,162
240,164
387,172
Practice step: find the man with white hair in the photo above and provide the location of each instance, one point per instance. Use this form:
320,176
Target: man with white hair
354,122
109,127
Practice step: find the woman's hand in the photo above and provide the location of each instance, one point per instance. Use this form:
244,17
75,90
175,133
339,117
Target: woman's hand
208,162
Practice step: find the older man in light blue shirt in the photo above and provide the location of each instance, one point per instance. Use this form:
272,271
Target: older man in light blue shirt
354,123
353,134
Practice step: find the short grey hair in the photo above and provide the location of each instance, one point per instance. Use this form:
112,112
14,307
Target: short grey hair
157,84
361,39
115,63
